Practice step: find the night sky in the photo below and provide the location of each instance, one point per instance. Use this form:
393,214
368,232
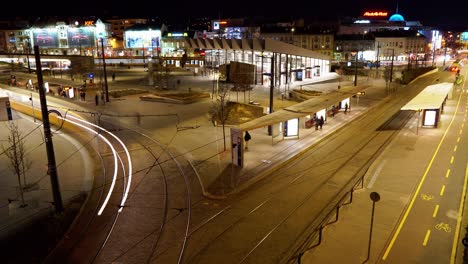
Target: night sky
430,12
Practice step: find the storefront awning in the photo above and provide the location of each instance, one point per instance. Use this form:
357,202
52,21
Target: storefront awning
432,97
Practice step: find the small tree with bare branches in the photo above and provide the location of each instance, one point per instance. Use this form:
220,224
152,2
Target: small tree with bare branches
219,110
15,150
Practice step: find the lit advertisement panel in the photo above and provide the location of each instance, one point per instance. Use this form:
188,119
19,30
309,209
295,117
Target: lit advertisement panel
430,117
80,37
140,39
464,36
46,38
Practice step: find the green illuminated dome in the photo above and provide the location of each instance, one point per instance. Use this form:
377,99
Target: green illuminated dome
396,18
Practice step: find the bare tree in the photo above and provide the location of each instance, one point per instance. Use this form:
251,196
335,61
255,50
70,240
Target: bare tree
219,110
161,74
15,151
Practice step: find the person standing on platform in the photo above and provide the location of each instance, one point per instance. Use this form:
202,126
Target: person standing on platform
346,108
247,138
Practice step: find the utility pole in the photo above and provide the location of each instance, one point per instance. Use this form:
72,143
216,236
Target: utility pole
391,66
272,87
52,167
409,59
355,69
27,56
105,72
445,52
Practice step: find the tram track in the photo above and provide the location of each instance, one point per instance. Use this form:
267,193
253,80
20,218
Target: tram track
346,154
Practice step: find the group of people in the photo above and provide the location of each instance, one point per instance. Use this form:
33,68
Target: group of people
318,121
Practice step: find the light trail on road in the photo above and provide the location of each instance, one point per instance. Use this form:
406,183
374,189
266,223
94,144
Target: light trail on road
114,178
129,160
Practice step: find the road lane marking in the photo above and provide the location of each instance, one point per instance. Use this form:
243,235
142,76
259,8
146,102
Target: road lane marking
376,174
458,139
451,159
426,197
442,190
436,209
459,219
455,148
416,193
461,131
463,124
447,174
426,238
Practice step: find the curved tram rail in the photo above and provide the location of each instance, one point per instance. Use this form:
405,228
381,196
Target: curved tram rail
116,208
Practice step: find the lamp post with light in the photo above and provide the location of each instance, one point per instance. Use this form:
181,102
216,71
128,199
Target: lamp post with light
105,72
356,54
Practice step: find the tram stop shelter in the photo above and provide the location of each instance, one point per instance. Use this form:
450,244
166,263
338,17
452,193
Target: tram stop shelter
288,122
430,102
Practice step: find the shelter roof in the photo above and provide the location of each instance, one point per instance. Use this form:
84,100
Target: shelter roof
432,97
304,108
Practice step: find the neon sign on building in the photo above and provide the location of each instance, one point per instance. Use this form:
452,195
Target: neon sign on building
375,14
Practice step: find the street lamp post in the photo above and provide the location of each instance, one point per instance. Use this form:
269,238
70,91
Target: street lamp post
375,197
105,72
355,69
28,44
52,166
409,59
391,66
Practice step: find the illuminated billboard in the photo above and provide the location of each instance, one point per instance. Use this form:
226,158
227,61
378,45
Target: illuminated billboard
464,36
141,39
45,38
80,37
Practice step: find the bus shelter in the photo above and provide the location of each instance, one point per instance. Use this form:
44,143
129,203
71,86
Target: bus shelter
430,103
288,122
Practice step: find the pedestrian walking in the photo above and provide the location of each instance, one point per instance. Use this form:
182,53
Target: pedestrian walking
333,110
138,117
96,99
321,121
247,138
113,76
346,108
316,121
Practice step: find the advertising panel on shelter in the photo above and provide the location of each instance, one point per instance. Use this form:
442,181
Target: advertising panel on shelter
46,38
80,37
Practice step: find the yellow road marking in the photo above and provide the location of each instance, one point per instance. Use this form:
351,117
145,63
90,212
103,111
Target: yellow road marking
463,124
447,174
426,238
451,159
455,148
442,190
459,218
458,139
436,209
461,131
416,193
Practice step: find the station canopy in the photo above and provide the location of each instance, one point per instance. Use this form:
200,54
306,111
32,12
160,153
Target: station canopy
432,97
304,108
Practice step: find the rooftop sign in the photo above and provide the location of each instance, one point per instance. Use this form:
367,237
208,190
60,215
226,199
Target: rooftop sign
375,14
